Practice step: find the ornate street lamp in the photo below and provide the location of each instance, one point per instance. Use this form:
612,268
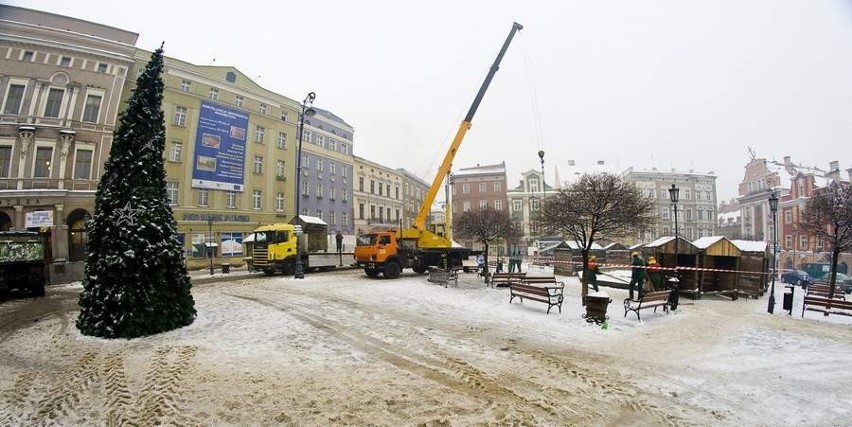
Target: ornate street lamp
541,156
673,194
773,207
307,110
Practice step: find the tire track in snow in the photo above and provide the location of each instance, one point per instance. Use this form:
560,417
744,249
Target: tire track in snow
160,399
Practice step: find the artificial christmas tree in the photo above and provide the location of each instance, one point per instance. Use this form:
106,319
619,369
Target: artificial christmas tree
136,281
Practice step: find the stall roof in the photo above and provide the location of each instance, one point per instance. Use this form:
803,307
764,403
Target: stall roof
307,219
249,239
751,245
706,242
659,242
575,245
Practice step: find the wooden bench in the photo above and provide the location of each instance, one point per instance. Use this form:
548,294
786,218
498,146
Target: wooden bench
822,289
506,279
828,305
648,300
542,289
443,277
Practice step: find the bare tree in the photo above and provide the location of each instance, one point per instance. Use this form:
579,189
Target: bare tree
828,216
598,206
486,226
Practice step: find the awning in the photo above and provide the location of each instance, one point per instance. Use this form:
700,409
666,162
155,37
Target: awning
249,239
211,245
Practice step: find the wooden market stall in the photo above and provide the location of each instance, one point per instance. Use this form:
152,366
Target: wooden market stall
755,260
617,253
666,249
568,258
718,253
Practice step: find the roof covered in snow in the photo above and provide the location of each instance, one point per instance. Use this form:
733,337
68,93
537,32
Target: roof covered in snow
750,245
659,242
706,242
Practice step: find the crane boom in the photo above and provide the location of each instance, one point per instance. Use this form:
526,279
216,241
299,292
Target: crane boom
420,220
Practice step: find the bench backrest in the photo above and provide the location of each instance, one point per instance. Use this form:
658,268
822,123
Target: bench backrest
529,289
508,275
655,296
542,279
812,300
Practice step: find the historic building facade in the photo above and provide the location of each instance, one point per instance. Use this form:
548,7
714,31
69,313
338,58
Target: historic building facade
524,201
696,207
475,188
327,165
61,81
413,193
377,195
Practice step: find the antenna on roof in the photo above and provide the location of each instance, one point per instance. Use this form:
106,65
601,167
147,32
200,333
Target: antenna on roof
212,61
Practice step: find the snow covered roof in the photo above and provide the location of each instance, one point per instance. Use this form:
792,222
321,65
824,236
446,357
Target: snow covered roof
249,239
659,242
575,245
706,242
750,245
477,170
311,220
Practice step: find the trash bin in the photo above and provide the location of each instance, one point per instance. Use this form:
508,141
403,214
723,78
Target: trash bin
673,284
788,298
596,305
226,268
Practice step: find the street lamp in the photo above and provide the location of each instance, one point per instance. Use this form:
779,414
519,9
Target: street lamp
307,110
541,156
673,194
210,243
773,207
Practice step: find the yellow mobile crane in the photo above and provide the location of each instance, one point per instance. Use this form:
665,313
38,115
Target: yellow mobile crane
390,251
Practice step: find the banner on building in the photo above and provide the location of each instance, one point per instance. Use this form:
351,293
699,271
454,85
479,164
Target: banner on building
220,148
38,219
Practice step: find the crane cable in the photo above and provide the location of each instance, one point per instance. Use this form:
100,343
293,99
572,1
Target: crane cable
538,133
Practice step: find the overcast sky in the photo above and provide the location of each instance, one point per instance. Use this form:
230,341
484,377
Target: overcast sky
666,84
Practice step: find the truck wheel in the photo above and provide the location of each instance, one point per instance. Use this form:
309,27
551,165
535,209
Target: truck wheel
419,269
392,270
371,272
288,267
38,291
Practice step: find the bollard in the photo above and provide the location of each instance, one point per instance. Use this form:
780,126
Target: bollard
787,303
673,299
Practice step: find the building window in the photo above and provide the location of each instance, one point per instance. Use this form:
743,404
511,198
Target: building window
14,99
360,211
803,242
372,211
372,187
202,197
396,192
283,116
482,188
256,200
306,188
533,185
262,108
465,206
343,172
332,168
465,188
344,219
332,144
102,68
319,165
498,187
54,102
214,93
332,193
175,152
258,164
180,116
380,189
483,204
92,108
41,169
306,135
319,190
231,199
361,184
345,197
279,202
498,205
82,164
332,218
282,140
689,214
533,204
28,56
5,161
788,241
172,190
320,140
185,85
279,169
306,163
788,216
258,134
319,213
238,101
516,205
344,148
686,194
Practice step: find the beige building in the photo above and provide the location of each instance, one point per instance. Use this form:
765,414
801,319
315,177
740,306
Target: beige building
230,156
414,193
378,195
61,82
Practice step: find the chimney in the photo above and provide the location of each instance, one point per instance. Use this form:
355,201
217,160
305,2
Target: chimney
833,170
787,161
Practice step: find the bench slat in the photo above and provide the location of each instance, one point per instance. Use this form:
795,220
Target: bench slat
648,300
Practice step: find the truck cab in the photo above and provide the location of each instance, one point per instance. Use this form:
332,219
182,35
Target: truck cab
382,252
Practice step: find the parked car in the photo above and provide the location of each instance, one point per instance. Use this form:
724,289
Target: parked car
797,277
843,282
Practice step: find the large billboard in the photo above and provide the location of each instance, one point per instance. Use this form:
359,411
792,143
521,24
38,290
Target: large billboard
220,148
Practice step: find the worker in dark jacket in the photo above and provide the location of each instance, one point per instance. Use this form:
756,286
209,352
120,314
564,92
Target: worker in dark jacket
638,276
592,272
654,275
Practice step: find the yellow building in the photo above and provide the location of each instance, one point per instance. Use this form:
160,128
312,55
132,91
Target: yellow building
230,156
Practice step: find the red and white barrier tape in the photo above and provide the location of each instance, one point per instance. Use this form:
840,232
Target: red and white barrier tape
552,261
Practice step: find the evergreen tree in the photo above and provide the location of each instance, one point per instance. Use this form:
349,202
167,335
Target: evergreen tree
135,282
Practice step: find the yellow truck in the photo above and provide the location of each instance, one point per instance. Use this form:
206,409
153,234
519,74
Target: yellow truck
275,247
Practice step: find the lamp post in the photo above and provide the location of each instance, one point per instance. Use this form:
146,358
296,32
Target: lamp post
307,110
773,207
541,156
673,194
210,244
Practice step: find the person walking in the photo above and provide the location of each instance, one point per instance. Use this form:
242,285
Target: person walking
592,272
339,238
654,275
638,276
518,259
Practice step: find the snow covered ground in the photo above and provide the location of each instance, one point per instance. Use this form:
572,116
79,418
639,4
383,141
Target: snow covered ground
339,348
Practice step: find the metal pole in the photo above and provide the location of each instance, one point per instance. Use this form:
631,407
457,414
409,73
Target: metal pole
773,206
300,273
210,244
